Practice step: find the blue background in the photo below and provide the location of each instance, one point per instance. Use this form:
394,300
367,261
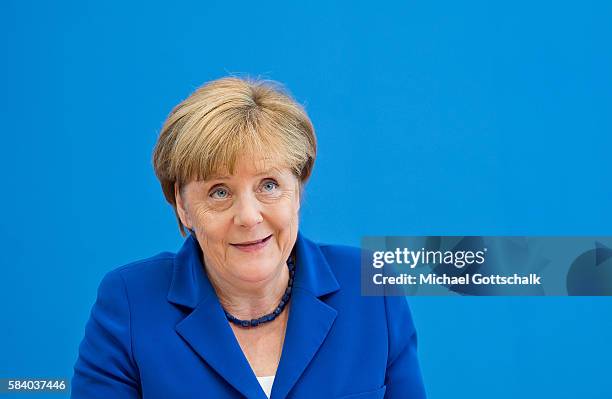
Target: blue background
433,118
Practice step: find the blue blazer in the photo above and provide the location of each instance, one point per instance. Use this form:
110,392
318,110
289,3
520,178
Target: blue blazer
157,330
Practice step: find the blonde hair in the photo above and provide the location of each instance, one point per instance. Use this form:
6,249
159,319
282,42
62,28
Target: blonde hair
228,118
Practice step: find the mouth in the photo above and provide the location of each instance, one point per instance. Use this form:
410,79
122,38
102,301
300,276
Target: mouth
252,245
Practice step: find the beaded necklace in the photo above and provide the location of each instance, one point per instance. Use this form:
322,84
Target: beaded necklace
274,314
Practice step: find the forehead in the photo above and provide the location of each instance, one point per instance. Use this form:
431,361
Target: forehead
248,166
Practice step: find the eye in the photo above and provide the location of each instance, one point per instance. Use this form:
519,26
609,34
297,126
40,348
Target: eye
269,186
219,193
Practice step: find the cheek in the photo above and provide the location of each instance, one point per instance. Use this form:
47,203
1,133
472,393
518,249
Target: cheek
284,217
212,236
286,208
211,225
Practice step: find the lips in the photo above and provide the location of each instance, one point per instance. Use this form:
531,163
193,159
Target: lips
254,243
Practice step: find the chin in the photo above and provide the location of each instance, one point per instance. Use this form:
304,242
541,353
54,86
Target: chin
257,273
256,269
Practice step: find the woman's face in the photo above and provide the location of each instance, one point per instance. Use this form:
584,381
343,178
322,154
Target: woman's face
246,223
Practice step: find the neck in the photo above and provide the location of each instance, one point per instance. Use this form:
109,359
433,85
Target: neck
247,300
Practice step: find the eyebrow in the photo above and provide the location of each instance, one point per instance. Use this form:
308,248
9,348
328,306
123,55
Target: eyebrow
225,177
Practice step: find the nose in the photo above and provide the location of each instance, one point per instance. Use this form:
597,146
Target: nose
248,212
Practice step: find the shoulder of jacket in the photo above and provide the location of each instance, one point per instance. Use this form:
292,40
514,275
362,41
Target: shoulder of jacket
345,252
162,263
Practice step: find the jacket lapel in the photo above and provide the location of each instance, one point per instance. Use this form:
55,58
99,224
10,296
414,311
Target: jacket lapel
206,328
309,323
310,319
208,333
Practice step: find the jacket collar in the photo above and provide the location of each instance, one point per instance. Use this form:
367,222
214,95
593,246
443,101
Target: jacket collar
207,331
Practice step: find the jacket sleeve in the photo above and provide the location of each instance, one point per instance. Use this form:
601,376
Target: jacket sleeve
403,376
105,367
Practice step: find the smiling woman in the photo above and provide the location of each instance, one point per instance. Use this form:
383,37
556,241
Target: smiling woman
246,222
248,307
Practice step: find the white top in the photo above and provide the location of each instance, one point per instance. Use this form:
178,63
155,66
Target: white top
266,384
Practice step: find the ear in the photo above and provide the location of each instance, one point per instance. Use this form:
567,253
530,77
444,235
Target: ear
181,207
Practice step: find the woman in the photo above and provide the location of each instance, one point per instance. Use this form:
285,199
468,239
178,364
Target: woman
248,307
